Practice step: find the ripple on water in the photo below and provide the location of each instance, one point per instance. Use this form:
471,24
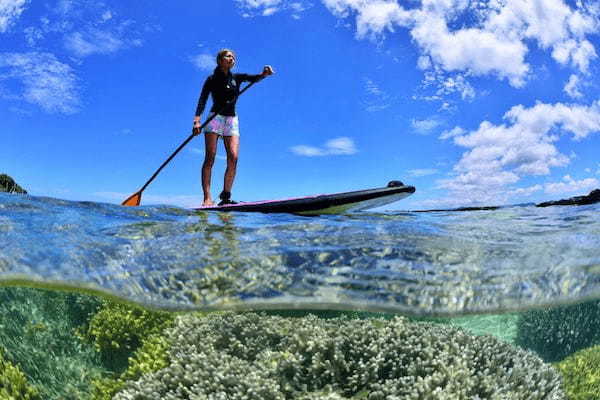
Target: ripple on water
417,263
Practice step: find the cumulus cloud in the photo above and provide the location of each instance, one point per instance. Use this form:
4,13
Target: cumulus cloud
43,79
570,185
498,156
481,38
10,10
337,146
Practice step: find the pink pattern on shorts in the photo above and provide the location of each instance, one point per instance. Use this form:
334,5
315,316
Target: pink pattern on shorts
224,126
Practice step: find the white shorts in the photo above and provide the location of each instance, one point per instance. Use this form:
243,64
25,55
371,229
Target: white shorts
223,126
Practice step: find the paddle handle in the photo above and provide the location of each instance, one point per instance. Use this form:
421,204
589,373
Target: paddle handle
182,145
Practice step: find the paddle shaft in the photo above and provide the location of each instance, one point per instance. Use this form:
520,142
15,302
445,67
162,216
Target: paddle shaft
182,145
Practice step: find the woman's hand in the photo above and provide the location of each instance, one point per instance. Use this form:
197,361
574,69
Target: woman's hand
196,127
267,70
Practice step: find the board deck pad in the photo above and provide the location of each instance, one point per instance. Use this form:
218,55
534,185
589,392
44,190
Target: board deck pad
336,203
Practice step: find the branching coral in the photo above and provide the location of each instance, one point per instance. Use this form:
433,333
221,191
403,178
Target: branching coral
241,356
581,374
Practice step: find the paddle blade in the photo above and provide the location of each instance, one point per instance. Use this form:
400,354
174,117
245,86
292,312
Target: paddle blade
133,200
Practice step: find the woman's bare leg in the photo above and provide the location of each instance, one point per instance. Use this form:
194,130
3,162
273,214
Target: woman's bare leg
232,146
210,152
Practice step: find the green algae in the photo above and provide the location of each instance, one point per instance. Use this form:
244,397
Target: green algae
14,384
581,374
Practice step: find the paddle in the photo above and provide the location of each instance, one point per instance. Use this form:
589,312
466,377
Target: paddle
136,198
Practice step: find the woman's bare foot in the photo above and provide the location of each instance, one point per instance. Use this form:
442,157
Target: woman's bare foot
207,203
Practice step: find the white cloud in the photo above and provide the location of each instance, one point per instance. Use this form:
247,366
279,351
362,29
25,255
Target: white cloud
570,185
528,191
474,50
84,28
481,38
45,81
265,8
422,172
107,15
376,99
373,17
308,151
498,156
33,35
205,61
341,145
425,126
572,87
96,41
446,84
456,131
10,10
269,11
337,146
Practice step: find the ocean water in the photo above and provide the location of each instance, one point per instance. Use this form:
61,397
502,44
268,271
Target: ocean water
439,263
514,272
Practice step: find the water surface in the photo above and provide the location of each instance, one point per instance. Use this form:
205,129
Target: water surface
438,263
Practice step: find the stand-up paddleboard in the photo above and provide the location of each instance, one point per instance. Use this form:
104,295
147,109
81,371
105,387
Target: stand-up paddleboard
337,203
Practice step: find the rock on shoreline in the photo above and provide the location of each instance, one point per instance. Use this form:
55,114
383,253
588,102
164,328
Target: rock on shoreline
591,198
8,184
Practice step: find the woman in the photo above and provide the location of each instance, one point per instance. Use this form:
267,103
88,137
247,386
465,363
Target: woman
224,88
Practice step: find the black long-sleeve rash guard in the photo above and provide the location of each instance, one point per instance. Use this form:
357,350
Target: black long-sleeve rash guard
224,90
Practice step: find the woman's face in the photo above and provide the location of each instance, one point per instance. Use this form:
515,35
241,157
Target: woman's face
227,60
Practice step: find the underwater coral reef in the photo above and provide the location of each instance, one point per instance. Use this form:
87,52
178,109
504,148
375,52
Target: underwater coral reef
56,345
241,356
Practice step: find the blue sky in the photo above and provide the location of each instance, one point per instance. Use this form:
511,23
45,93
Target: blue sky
473,102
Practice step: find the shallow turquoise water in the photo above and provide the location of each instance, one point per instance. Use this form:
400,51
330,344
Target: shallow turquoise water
440,263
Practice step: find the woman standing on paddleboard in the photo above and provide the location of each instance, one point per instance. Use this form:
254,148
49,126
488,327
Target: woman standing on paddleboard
224,88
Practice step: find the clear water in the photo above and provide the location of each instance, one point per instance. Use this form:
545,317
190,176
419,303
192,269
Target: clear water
528,276
440,263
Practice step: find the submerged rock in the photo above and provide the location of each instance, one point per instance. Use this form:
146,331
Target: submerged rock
591,198
8,184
